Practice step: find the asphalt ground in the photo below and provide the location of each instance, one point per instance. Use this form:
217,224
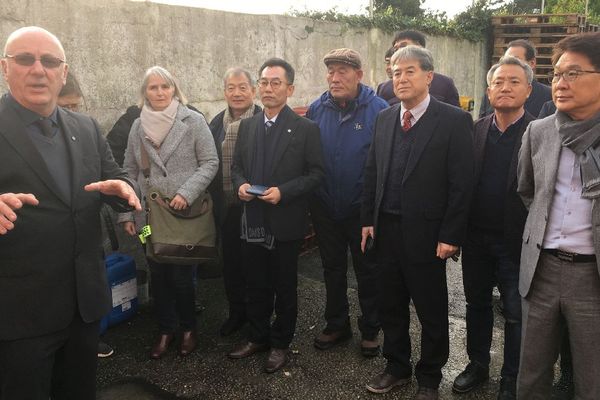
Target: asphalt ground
339,373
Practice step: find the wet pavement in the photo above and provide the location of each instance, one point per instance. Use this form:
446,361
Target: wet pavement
339,373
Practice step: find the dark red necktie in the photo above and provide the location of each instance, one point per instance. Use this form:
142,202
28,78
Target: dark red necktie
406,124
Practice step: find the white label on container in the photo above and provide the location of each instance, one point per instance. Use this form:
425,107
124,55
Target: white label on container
125,306
124,292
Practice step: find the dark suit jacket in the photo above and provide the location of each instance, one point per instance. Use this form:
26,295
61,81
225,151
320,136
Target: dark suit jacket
547,109
437,183
515,213
51,263
297,169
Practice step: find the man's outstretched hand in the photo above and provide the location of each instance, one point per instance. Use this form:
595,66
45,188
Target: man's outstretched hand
9,204
116,187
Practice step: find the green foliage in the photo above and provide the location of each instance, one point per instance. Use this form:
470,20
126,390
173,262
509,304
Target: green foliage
473,24
556,7
476,18
409,8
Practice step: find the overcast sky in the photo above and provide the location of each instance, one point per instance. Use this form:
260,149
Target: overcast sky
282,6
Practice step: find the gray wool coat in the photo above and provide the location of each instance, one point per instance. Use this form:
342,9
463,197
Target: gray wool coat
538,166
185,163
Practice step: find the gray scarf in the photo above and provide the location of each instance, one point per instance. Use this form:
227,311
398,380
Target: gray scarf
583,138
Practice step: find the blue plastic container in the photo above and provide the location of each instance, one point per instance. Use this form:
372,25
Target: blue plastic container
121,274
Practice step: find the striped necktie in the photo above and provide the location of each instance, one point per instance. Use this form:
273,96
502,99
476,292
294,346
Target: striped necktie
406,123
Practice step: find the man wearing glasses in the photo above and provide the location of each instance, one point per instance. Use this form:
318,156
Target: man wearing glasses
277,163
55,172
559,177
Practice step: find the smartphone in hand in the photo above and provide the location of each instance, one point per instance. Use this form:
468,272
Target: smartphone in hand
257,190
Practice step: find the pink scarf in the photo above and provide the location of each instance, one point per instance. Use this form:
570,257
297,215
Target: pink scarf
157,124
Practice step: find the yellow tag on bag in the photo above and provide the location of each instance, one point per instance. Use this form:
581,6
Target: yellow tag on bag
146,231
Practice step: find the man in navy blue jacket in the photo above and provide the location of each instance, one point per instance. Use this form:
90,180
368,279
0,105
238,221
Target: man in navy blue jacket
346,115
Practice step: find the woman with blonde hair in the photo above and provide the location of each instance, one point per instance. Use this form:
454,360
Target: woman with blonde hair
182,162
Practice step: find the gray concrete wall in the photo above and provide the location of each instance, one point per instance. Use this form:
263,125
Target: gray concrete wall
110,43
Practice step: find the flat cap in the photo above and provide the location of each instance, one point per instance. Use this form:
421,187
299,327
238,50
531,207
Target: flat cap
344,56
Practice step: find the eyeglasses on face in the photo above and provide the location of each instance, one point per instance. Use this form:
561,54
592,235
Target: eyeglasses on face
569,75
27,60
275,83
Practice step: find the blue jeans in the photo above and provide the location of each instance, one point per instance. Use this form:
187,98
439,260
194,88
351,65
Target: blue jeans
486,262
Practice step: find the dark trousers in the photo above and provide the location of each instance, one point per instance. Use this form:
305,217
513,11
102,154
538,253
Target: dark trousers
424,283
334,238
233,272
485,262
61,364
174,296
272,279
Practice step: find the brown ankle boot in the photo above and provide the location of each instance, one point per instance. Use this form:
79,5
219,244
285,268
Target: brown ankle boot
188,343
161,345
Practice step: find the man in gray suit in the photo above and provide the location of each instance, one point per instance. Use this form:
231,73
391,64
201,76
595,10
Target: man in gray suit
559,179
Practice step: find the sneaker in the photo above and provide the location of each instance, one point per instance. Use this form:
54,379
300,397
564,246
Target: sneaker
104,350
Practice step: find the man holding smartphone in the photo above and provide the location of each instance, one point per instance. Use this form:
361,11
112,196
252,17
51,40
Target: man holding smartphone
281,151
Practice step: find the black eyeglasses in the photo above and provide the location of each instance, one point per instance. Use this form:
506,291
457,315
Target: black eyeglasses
275,83
569,75
27,60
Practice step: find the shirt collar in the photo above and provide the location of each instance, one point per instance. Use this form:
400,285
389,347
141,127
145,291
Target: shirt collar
29,117
417,111
274,119
509,125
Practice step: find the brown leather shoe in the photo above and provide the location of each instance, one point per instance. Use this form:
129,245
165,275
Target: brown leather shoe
161,346
246,350
385,382
425,393
188,343
276,360
327,340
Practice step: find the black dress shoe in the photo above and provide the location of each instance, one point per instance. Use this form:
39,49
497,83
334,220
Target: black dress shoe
425,393
508,389
277,359
369,351
246,350
327,339
233,324
385,382
188,343
474,375
161,346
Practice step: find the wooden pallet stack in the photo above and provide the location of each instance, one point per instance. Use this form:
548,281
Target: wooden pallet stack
543,30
